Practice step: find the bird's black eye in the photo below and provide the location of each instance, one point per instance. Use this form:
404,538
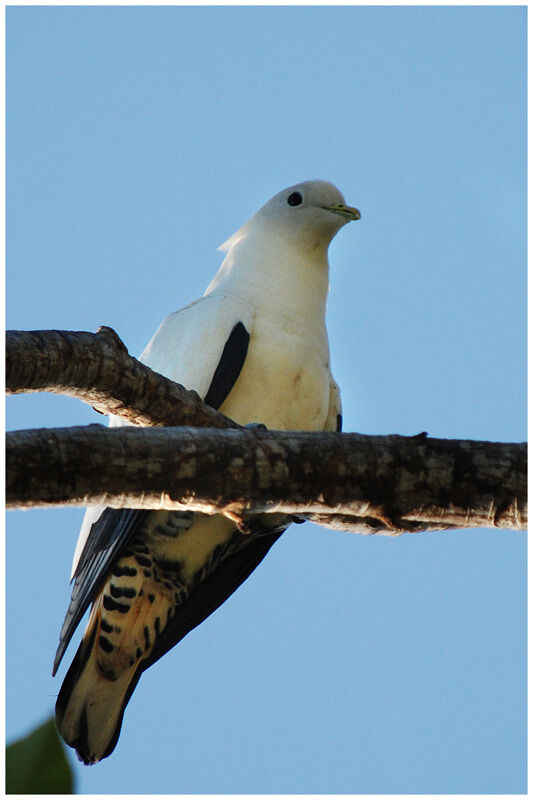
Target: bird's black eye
294,199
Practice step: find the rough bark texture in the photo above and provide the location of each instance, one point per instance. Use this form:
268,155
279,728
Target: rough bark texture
369,484
97,368
345,481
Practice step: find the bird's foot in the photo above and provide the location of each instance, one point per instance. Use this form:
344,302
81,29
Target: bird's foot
256,426
240,521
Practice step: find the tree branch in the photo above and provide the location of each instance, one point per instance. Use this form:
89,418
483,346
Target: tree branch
385,484
97,368
350,482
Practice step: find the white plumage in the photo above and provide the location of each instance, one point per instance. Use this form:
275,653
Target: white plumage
256,347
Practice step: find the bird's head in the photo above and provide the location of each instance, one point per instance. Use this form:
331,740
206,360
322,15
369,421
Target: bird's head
308,214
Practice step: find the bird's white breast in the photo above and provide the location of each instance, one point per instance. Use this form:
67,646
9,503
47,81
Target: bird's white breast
285,380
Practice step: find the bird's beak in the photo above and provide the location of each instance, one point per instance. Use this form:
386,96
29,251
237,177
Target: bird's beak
347,212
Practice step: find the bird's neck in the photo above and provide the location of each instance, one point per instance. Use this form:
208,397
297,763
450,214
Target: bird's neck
277,273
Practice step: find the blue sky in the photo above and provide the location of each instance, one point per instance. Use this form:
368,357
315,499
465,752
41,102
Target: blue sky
138,140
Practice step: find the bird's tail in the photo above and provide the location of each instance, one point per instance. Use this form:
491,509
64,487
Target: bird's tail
91,703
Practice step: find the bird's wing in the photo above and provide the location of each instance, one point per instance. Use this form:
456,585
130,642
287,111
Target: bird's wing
92,515
203,347
199,348
189,344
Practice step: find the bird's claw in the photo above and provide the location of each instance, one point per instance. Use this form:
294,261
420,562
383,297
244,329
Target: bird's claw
239,521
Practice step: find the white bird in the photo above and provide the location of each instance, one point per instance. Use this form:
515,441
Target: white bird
255,347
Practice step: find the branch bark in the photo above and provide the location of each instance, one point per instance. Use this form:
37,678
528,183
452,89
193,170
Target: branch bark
368,484
345,481
97,368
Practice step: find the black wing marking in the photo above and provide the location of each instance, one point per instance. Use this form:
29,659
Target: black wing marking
115,528
111,526
339,423
229,367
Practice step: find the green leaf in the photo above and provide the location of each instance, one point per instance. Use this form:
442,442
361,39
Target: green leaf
37,764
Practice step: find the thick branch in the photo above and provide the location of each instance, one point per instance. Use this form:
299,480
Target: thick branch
97,368
386,484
